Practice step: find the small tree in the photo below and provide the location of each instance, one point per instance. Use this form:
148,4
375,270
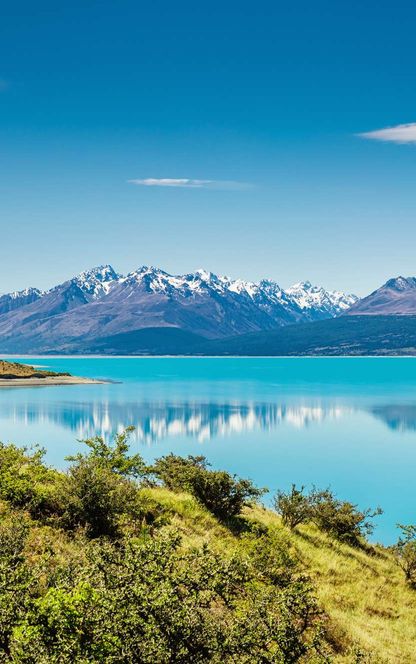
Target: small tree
405,552
342,519
221,493
113,457
294,506
101,490
178,473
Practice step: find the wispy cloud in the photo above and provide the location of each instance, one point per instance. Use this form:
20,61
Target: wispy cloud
404,133
189,183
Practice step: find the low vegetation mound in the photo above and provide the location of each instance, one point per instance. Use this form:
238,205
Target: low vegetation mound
17,370
117,561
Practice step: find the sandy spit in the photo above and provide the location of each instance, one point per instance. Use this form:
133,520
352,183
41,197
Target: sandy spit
48,380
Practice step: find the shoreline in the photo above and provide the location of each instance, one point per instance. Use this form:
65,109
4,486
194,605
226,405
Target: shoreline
48,380
202,357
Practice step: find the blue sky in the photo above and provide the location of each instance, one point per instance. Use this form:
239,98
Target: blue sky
258,106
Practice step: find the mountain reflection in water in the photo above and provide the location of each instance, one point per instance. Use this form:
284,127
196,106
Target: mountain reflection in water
154,421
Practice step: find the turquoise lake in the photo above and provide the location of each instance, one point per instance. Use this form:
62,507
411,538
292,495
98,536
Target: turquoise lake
347,423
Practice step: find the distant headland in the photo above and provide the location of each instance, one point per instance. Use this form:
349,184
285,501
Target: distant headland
17,374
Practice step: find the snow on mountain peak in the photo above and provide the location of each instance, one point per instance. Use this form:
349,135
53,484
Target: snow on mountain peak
210,279
147,270
26,292
205,275
300,302
17,299
300,299
154,280
316,298
401,283
97,281
301,286
240,286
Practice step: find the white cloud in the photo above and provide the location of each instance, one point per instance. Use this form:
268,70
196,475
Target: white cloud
171,182
189,183
405,133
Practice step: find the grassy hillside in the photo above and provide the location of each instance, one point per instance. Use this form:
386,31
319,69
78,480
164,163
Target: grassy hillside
369,607
17,370
346,335
113,561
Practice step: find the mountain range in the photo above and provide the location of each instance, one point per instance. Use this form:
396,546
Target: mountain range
102,310
149,311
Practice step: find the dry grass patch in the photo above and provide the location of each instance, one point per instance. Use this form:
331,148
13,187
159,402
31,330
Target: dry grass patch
17,370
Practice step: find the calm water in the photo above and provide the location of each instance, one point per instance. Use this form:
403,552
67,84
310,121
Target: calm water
348,423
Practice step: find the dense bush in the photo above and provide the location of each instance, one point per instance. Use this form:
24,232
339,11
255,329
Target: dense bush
100,493
155,602
270,553
113,457
15,579
295,507
25,481
342,519
221,493
98,499
339,518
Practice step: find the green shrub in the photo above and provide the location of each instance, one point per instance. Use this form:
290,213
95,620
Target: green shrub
221,493
98,500
295,507
341,519
25,481
15,579
153,602
119,591
101,492
114,457
270,554
278,626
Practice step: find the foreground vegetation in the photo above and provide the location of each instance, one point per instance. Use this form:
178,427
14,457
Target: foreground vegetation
114,561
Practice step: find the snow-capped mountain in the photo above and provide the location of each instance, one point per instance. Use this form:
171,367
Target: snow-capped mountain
101,303
318,302
11,301
92,284
302,300
396,296
97,282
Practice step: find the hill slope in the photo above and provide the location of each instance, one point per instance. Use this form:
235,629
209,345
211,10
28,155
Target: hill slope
148,341
364,593
396,297
346,335
98,568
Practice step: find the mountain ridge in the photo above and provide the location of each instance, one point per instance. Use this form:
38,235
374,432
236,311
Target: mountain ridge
98,281
149,311
101,303
396,296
